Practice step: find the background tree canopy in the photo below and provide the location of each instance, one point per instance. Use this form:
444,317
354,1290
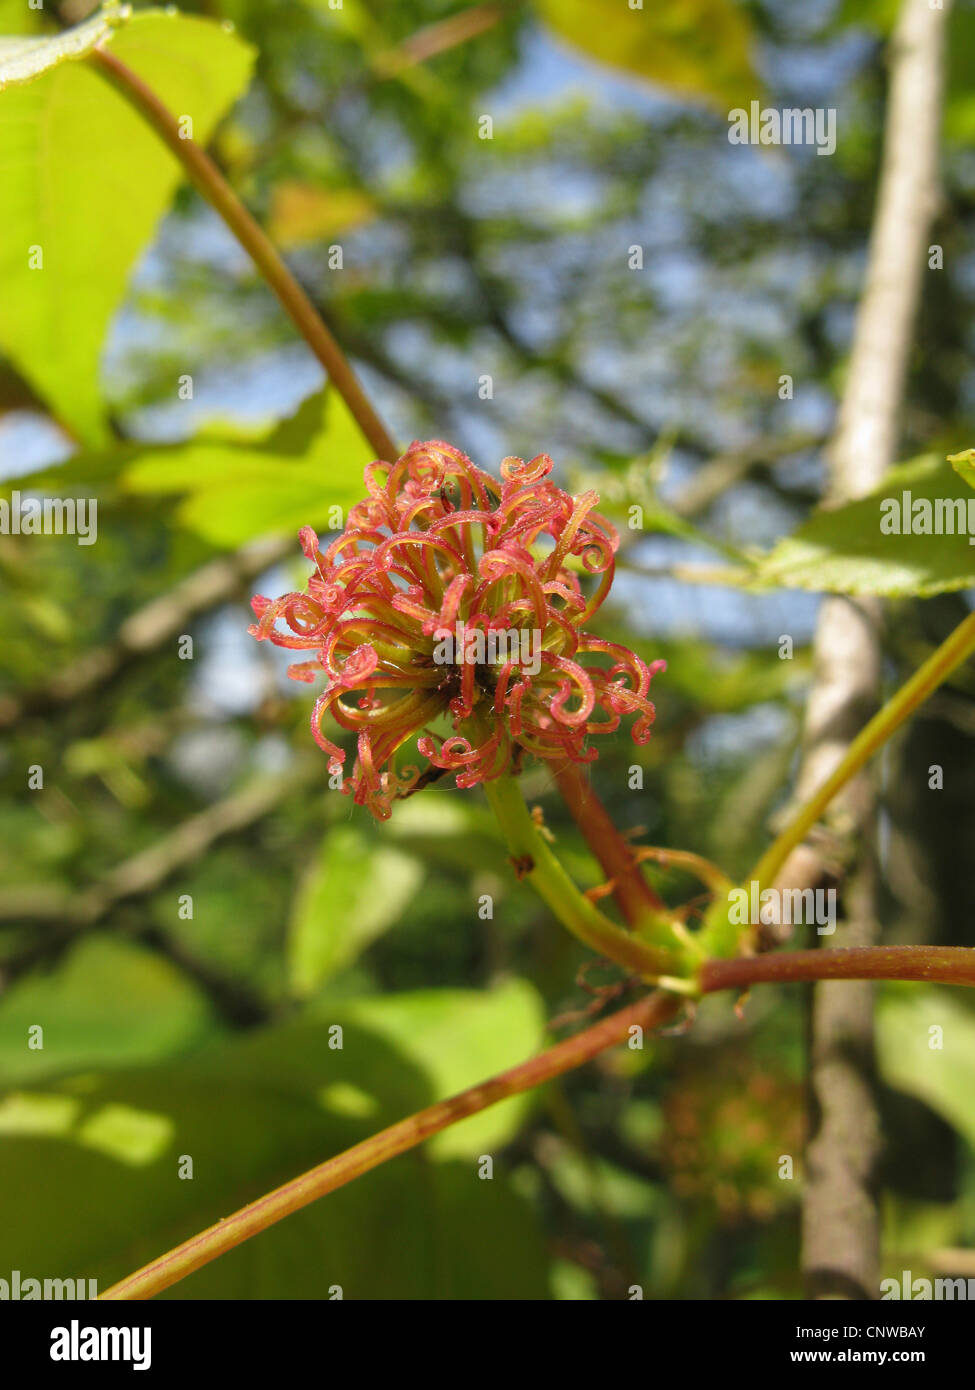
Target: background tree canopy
187,908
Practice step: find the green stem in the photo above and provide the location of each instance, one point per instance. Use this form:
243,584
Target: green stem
209,181
949,965
648,1013
938,667
533,860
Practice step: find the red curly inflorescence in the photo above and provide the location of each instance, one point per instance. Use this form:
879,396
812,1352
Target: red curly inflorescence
454,594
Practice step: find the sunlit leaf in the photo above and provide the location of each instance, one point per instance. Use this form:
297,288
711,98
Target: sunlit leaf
700,48
459,1037
248,1116
75,156
17,18
235,491
22,59
964,465
959,103
109,1002
926,1047
877,15
843,549
303,212
354,892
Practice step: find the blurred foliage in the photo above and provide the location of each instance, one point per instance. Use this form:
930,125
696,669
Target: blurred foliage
701,47
726,1134
235,490
192,1015
844,550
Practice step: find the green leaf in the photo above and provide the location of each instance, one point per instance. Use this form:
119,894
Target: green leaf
441,827
85,183
911,1225
880,16
17,18
844,551
959,103
593,1185
235,491
96,1165
459,1037
109,1002
942,1076
964,465
22,59
700,48
354,892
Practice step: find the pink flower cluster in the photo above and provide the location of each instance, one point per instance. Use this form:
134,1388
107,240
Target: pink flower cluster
436,544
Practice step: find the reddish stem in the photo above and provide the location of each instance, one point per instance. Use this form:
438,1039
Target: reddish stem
950,965
632,891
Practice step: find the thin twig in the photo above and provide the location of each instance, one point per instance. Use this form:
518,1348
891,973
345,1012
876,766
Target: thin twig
209,181
949,965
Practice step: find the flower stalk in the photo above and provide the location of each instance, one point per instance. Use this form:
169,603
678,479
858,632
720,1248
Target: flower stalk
651,952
